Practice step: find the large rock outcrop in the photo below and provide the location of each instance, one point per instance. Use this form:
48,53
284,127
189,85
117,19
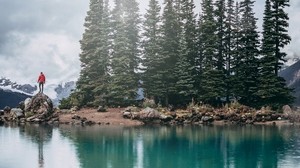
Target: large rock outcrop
39,107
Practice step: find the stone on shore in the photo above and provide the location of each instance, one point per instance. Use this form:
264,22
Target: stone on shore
39,106
16,113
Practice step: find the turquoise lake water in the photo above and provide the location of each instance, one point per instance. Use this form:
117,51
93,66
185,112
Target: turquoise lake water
34,146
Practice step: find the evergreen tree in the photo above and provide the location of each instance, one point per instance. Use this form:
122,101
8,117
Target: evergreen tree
186,66
152,59
94,57
273,91
247,67
236,38
280,33
212,82
170,46
125,54
229,47
220,27
199,58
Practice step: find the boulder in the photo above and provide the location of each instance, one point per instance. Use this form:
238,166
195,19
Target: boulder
101,109
74,109
131,109
6,109
287,110
16,113
39,106
149,113
26,103
207,119
21,105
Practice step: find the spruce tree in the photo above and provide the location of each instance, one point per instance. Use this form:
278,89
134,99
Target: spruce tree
212,82
125,53
280,33
170,46
273,91
235,52
185,70
247,67
94,57
229,48
151,44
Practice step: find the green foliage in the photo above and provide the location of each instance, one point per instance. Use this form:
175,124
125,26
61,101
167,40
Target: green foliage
149,103
151,44
272,90
65,103
95,46
125,56
176,59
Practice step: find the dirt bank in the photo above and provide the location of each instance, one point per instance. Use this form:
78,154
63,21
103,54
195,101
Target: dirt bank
113,116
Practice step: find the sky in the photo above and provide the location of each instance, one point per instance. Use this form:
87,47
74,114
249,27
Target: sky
43,36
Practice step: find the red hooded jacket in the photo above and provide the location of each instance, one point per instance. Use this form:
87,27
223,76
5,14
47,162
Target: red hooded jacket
42,78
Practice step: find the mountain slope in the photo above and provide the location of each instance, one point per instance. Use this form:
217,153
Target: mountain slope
292,76
11,99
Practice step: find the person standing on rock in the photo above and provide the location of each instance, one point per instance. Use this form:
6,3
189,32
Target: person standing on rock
41,81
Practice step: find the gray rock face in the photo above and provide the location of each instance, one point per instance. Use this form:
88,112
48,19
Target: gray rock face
40,106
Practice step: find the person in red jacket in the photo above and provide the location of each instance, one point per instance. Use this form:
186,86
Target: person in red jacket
41,81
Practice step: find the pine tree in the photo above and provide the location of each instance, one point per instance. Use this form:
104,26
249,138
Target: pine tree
125,54
247,67
152,59
94,57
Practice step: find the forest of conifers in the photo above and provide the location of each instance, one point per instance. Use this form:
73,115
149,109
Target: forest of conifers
178,56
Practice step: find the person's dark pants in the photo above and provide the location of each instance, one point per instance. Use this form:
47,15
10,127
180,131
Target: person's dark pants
41,87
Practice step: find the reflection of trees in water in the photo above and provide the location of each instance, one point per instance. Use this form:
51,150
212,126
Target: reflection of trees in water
216,146
38,134
102,146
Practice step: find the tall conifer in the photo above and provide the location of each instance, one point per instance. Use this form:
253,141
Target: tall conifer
170,46
152,58
247,68
272,91
92,84
211,83
186,66
125,53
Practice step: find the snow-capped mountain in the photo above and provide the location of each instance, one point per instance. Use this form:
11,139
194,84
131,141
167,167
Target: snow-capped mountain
12,93
7,84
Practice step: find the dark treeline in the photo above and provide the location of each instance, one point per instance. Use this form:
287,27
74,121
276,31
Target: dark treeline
178,56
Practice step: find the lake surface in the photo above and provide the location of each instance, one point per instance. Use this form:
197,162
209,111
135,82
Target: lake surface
33,146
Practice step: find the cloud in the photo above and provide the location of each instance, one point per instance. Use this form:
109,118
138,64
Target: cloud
54,54
41,35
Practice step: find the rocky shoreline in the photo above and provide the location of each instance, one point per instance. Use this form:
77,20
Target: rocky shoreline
207,116
39,109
